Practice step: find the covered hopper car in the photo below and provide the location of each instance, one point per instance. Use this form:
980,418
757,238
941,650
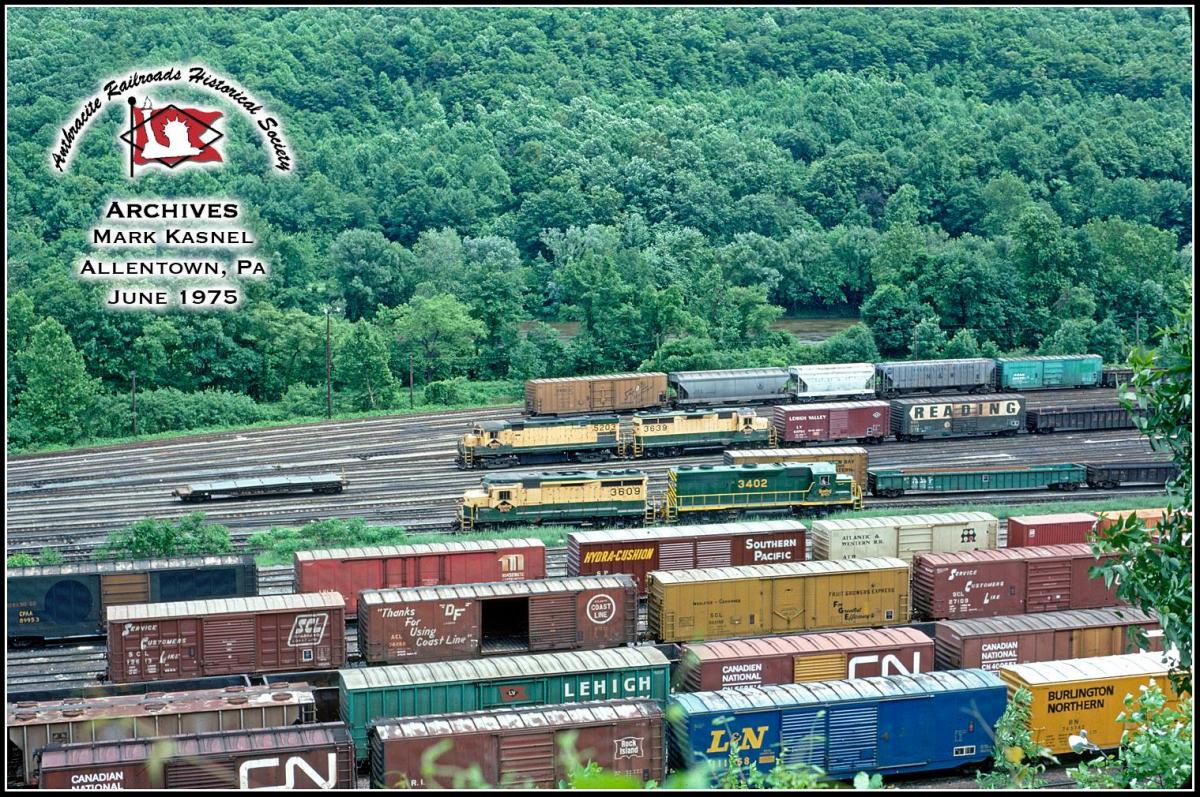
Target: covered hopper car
69,600
973,375
514,746
307,757
832,381
268,485
730,386
887,725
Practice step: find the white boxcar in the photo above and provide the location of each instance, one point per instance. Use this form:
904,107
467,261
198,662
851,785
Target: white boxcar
903,536
849,380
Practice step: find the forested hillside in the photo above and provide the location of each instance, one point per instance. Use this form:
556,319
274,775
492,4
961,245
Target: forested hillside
968,180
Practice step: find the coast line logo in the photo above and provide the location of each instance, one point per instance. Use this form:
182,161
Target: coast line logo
166,134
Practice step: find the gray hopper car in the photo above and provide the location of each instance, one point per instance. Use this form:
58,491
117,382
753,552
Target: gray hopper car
720,388
972,375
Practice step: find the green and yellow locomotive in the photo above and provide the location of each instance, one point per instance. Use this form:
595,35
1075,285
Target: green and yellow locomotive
503,444
669,434
619,497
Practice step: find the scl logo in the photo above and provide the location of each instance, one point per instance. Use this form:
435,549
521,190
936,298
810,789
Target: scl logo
749,738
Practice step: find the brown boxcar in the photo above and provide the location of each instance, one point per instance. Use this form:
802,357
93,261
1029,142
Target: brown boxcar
1062,529
992,642
832,656
606,393
865,421
405,626
1043,578
640,551
32,726
732,602
1149,517
513,746
851,461
272,759
349,570
271,633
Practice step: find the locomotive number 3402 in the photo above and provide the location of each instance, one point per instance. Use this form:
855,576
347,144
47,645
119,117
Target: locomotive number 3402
744,484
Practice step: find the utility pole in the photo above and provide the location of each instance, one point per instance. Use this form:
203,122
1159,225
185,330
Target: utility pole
328,370
133,401
1137,329
410,380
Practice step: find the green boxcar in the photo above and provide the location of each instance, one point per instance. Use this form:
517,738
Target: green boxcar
801,486
369,694
891,483
1045,373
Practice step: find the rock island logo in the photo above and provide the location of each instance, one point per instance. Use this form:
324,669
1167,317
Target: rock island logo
165,132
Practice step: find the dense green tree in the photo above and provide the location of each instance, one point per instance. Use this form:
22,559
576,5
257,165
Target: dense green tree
854,344
1070,338
962,345
370,270
362,367
58,392
891,313
437,331
929,341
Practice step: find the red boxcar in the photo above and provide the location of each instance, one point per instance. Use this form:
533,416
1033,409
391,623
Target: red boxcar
640,551
1063,529
407,626
296,757
865,421
513,746
270,633
348,570
1007,581
836,655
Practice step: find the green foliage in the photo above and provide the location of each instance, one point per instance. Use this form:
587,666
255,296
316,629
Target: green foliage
50,556
448,391
437,332
21,559
1153,570
928,340
854,344
362,368
57,394
891,313
1156,753
190,535
1017,760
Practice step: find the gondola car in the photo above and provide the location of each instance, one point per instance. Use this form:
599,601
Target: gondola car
69,600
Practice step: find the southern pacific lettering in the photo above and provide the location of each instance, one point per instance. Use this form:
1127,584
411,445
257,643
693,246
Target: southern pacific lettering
1080,699
921,412
623,555
772,550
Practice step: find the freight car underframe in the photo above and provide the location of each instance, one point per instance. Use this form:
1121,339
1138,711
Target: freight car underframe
1064,486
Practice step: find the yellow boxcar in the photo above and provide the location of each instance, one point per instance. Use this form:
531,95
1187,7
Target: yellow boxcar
1084,694
849,460
729,602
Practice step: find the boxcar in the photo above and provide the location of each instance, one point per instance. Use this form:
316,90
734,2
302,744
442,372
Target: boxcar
992,642
1047,420
1085,694
834,655
269,485
668,434
402,626
731,386
1150,518
979,416
974,375
720,491
34,725
516,747
864,421
587,394
903,536
1109,476
580,496
731,602
272,633
637,552
829,381
886,725
411,690
304,757
1026,530
849,460
895,482
57,601
1049,372
1045,578
503,444
349,570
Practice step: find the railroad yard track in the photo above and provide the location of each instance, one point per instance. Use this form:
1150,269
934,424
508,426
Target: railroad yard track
401,472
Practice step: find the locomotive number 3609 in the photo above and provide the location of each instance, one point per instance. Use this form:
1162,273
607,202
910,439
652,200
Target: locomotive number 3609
625,491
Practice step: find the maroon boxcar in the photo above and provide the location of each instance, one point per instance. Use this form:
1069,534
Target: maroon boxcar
1062,529
273,759
640,551
349,570
993,642
513,746
407,626
268,633
1044,578
864,421
836,655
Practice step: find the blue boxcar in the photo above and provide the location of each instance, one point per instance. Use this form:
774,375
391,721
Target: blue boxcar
890,725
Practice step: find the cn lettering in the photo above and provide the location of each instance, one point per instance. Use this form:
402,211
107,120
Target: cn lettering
289,770
889,666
